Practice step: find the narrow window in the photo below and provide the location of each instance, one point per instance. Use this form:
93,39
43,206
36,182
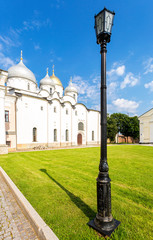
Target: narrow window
92,135
34,134
67,135
50,90
67,112
6,116
76,113
74,96
80,126
28,86
8,143
41,108
54,109
55,135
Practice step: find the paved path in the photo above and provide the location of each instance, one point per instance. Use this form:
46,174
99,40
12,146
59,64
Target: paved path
13,224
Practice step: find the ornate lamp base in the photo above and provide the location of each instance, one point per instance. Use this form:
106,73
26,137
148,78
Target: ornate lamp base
104,228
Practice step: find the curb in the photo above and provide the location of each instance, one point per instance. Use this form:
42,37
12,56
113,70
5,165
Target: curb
41,228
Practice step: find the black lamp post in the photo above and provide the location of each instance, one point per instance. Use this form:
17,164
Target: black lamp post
104,222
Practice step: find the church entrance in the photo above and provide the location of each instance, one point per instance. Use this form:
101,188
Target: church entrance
79,139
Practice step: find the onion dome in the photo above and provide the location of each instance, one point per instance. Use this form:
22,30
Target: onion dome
71,87
47,80
55,79
21,71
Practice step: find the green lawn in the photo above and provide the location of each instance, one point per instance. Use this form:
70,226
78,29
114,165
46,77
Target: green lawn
61,186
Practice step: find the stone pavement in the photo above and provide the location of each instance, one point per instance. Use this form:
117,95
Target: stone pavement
13,224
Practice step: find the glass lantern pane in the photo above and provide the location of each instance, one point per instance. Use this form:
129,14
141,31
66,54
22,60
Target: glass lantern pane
100,23
108,21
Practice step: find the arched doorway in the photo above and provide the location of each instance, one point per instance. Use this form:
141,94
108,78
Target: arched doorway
79,139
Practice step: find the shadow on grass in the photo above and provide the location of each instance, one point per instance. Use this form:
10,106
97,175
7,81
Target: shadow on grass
76,200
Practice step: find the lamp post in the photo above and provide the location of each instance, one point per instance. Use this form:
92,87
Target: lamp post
104,222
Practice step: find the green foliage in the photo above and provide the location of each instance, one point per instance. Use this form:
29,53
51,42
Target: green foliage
61,186
112,129
134,124
128,126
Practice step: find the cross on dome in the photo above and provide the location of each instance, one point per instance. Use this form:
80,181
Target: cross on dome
71,79
53,69
21,56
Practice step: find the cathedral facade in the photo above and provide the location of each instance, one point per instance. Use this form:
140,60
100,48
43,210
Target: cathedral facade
47,116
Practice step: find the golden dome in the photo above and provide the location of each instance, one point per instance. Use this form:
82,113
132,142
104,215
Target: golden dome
56,79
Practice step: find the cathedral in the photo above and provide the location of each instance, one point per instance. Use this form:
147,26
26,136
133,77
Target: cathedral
46,116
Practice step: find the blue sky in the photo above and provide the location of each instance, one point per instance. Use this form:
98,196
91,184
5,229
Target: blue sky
61,32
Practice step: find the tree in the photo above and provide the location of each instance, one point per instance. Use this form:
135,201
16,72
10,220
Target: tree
125,126
112,129
134,125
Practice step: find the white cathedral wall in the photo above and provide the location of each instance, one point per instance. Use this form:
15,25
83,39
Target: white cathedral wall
10,126
3,146
69,99
54,122
48,88
2,116
81,117
73,95
59,89
66,123
31,113
93,125
21,83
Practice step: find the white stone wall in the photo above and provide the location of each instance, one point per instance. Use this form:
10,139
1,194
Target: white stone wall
46,113
10,127
59,89
21,83
93,125
3,77
31,113
2,116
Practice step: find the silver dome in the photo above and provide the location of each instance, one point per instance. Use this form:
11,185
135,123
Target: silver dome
21,71
71,88
47,80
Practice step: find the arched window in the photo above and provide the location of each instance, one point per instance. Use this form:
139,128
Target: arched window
34,134
80,126
28,86
50,90
93,137
67,135
55,135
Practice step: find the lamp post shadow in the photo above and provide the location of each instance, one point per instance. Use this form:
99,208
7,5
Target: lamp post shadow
76,200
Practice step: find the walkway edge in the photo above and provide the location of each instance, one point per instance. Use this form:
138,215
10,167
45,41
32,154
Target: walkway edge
41,228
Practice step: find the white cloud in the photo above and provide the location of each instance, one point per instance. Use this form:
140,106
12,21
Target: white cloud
36,24
148,66
88,90
112,88
125,105
6,61
7,41
129,80
116,72
149,85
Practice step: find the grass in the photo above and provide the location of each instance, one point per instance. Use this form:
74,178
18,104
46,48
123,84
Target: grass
61,186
